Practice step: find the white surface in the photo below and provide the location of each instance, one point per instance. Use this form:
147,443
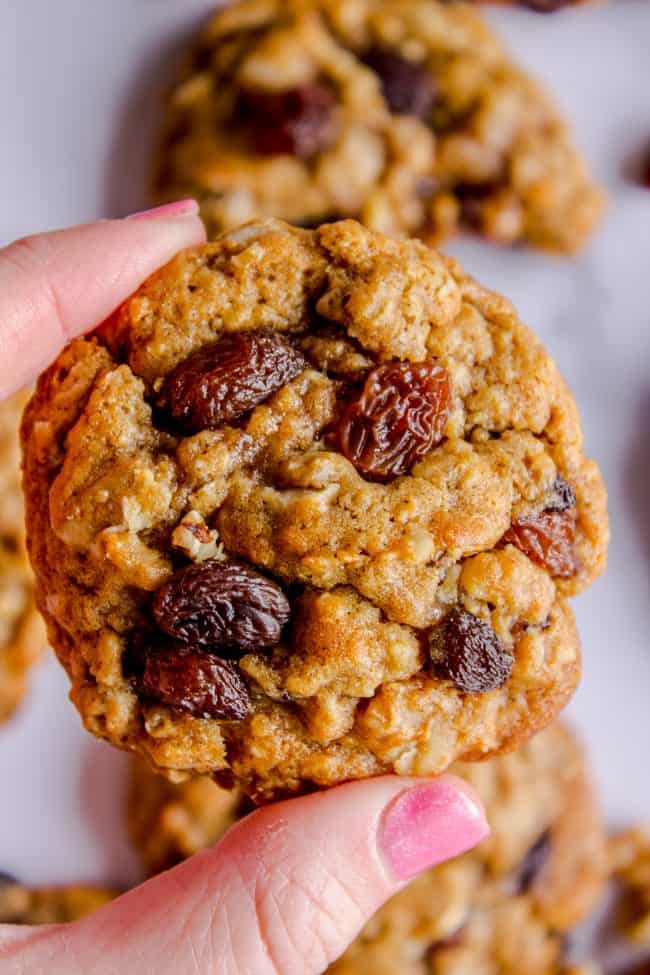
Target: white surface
79,88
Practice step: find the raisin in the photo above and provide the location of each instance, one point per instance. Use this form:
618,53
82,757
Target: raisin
562,496
407,85
642,968
7,879
533,864
548,539
545,6
220,383
190,680
468,652
398,416
299,122
222,605
472,198
645,170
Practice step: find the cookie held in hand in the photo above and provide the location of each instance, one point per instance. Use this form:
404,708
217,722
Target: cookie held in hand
309,508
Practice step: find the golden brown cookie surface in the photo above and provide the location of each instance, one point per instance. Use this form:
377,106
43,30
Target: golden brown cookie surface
309,508
22,637
408,115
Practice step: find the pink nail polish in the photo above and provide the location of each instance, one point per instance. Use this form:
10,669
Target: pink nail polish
430,823
180,208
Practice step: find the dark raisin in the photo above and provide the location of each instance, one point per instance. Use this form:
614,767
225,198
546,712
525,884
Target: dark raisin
398,416
533,863
641,968
407,86
645,171
299,122
134,657
454,940
467,651
222,605
562,496
220,383
548,538
545,6
7,879
472,198
193,681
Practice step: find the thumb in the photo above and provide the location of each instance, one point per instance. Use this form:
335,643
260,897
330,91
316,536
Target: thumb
284,893
57,285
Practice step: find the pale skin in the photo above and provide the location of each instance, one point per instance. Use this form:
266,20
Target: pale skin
289,887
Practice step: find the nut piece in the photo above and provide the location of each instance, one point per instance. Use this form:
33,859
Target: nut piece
181,677
225,606
407,86
466,650
398,417
298,122
196,541
220,383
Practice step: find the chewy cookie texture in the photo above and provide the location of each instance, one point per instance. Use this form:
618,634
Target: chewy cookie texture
408,115
309,508
502,908
22,637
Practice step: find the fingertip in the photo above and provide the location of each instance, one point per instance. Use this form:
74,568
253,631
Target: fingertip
430,822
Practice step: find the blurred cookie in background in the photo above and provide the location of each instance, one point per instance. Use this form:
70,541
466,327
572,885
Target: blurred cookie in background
630,867
409,115
22,634
169,822
504,905
48,905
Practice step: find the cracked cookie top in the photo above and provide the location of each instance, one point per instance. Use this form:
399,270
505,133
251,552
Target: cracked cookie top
408,115
22,638
308,508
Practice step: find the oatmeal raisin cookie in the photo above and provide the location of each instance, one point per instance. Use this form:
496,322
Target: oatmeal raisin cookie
309,508
22,637
409,115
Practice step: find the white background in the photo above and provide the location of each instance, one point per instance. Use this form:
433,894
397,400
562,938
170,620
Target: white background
80,82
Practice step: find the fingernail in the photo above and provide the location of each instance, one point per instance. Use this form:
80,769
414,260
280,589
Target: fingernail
430,823
180,208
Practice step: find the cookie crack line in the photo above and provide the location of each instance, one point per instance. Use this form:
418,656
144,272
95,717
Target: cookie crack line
269,542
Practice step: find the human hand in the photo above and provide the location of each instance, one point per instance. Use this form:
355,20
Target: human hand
290,886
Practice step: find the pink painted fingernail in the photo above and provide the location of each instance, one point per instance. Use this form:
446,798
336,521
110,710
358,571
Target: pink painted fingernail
430,823
180,208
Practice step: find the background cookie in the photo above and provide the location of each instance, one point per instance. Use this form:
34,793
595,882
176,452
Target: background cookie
500,908
348,472
630,866
22,636
169,822
48,905
406,114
